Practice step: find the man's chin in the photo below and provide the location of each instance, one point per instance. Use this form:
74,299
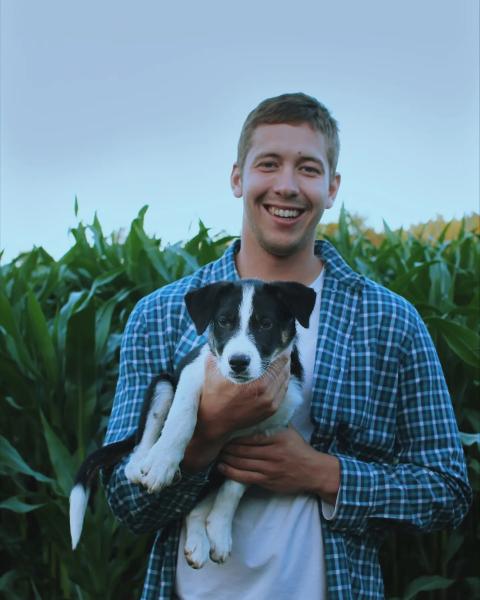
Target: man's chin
283,249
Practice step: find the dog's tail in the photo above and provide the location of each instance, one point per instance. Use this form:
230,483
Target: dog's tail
102,458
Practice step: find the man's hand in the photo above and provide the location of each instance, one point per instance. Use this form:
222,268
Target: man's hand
226,406
283,463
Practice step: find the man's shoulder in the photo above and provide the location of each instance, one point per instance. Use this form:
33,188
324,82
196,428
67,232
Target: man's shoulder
386,298
378,302
170,297
389,309
173,293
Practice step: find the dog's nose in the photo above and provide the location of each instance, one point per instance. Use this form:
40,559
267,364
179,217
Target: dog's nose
239,362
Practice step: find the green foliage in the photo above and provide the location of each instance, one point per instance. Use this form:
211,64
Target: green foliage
60,330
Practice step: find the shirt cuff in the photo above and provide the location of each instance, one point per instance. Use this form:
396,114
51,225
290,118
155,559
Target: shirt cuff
329,511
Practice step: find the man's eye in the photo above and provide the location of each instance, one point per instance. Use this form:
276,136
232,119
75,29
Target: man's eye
311,170
267,165
266,323
224,321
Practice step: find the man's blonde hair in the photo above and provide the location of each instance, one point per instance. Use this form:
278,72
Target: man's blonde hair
292,109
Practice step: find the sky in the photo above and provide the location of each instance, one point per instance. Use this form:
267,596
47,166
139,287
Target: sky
124,104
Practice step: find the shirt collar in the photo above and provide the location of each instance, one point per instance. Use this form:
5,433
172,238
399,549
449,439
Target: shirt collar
335,266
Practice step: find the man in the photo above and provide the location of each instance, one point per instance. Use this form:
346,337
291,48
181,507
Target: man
376,441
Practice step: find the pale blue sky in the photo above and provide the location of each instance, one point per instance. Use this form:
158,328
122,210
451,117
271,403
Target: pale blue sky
125,104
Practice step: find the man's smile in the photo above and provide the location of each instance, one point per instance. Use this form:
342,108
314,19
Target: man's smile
284,213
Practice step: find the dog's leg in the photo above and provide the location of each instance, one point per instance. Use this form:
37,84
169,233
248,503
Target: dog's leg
220,519
162,461
197,544
161,402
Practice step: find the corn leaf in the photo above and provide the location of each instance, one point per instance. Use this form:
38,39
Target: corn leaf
60,458
11,460
426,584
16,505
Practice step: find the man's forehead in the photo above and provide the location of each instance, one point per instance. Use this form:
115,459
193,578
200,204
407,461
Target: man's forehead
296,139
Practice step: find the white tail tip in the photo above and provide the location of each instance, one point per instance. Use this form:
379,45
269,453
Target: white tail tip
78,505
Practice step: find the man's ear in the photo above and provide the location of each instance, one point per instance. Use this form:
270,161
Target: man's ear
236,181
333,189
202,303
299,298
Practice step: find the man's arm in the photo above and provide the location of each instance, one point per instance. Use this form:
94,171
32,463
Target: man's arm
139,511
283,463
426,487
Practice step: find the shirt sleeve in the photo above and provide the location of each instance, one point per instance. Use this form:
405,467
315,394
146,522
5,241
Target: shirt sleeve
140,511
426,487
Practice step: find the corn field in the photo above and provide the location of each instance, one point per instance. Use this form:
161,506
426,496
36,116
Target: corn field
60,329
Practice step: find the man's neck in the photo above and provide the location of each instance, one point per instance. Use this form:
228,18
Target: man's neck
303,266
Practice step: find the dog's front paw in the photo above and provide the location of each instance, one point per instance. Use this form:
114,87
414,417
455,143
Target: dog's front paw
156,475
220,536
197,548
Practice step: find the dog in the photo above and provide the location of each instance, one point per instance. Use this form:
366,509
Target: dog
249,324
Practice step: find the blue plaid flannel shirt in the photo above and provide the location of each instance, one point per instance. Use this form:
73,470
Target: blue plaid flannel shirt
380,404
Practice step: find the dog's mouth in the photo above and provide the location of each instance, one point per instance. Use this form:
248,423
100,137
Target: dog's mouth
239,377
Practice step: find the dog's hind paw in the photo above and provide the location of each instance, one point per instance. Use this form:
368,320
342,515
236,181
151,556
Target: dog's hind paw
220,536
197,549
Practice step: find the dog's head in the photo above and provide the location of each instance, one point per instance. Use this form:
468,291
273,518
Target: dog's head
250,323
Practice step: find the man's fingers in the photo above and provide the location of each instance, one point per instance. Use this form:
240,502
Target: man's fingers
211,368
245,464
279,369
257,453
279,364
259,439
250,477
274,382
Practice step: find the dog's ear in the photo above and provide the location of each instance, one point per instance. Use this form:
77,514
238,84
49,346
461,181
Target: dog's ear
202,302
299,299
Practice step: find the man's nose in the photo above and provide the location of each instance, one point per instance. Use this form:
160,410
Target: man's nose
286,184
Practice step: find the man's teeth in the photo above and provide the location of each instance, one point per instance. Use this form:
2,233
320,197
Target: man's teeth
282,212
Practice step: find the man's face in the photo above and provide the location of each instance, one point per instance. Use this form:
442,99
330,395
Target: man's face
286,186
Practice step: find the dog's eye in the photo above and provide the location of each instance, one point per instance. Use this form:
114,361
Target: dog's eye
266,323
224,321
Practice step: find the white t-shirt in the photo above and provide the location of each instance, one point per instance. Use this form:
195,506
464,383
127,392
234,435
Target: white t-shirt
277,545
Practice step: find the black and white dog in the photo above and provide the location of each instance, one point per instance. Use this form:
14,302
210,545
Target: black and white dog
250,324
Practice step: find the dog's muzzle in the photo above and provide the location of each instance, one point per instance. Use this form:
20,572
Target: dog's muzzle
239,363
